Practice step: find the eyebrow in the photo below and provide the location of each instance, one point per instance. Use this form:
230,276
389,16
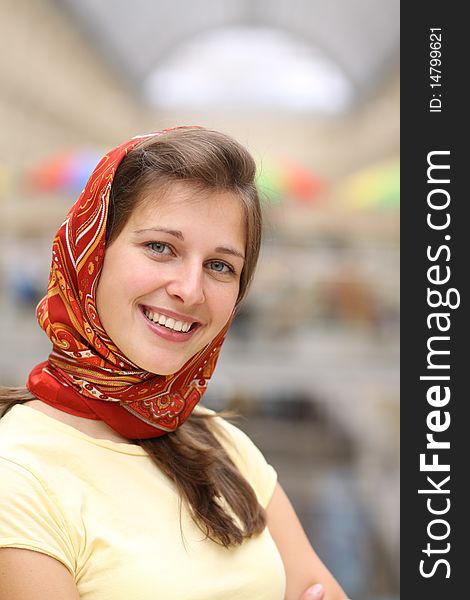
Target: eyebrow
174,232
179,235
228,250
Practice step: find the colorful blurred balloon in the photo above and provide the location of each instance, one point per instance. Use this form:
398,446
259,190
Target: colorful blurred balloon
374,187
288,180
68,171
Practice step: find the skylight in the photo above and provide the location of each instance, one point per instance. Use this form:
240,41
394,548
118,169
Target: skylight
248,68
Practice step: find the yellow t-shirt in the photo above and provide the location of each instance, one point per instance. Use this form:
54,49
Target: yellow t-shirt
112,518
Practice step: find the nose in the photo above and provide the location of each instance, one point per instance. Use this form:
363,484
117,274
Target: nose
187,284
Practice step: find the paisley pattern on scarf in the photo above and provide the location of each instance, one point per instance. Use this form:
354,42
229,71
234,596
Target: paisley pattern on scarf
85,373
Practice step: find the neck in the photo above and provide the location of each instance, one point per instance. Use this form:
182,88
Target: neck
91,427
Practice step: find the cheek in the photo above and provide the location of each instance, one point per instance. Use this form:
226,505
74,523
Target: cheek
223,303
130,278
138,281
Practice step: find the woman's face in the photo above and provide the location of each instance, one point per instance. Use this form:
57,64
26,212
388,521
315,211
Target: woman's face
170,280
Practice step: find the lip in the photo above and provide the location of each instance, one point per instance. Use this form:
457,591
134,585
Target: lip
164,332
171,313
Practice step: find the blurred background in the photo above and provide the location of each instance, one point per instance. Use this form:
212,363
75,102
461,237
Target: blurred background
312,89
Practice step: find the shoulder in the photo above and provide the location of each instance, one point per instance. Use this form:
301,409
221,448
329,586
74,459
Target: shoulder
30,515
232,438
28,441
246,456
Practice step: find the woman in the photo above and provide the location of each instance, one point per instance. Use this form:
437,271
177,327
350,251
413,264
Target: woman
108,489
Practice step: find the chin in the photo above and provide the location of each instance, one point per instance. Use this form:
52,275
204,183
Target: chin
161,367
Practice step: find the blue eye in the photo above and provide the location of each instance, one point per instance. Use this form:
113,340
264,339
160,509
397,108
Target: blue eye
220,267
159,248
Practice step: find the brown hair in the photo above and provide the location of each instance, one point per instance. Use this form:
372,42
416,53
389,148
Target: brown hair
192,456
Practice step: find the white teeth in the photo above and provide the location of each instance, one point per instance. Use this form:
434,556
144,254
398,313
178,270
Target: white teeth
168,322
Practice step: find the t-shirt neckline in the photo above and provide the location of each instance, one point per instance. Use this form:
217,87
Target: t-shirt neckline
38,416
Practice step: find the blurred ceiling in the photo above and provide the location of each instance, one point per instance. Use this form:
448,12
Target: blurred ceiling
359,37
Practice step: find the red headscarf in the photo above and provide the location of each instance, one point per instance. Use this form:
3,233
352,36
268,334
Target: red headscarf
86,374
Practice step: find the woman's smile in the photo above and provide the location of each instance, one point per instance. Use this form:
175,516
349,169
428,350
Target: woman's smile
171,278
170,325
